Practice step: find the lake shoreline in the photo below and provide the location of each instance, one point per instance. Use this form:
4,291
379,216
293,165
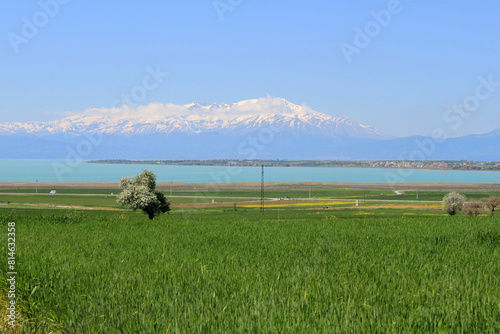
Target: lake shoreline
270,164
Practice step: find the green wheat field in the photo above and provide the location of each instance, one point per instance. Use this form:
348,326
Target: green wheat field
289,270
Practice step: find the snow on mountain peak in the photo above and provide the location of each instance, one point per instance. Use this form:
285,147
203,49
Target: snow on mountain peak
197,117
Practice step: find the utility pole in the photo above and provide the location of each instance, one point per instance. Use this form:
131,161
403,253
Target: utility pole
417,193
262,190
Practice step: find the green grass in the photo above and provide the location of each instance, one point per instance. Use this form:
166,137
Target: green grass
100,201
215,190
331,192
80,200
61,191
286,271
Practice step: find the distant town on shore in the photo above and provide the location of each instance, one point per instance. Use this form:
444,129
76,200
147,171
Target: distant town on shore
423,164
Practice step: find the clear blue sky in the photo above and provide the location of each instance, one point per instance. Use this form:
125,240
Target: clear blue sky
431,53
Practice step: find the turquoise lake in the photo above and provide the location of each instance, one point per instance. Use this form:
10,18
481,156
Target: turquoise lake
71,171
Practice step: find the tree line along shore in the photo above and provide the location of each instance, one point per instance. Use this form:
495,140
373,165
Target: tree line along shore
424,164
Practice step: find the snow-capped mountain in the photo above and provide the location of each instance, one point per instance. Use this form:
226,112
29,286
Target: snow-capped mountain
266,128
196,118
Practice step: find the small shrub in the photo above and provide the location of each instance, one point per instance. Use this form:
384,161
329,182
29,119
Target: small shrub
473,209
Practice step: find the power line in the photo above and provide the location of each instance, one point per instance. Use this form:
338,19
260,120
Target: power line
262,190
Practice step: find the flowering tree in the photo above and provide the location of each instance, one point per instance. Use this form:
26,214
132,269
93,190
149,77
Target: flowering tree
453,202
140,193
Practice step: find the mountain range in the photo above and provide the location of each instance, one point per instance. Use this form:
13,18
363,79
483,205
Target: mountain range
268,128
196,118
